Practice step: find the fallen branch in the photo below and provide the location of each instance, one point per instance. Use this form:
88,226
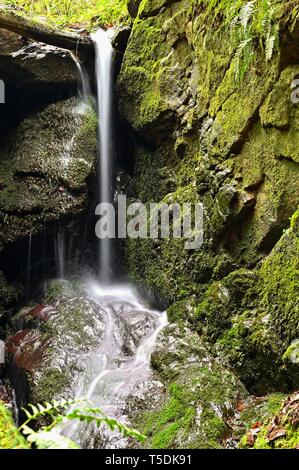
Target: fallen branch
17,22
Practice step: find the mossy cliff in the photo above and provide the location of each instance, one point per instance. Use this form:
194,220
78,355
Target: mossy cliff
201,135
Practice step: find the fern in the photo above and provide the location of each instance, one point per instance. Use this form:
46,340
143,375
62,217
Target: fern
49,438
246,15
254,23
272,41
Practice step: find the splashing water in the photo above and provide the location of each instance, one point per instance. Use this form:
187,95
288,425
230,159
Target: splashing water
121,364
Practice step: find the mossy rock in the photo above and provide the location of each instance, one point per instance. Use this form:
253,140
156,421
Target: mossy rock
45,164
56,345
200,396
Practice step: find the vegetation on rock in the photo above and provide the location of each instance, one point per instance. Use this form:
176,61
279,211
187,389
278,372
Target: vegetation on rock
76,14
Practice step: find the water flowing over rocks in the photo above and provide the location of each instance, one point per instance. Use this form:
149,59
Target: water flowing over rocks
223,362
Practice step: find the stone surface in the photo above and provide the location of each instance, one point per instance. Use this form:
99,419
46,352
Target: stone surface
205,137
44,167
35,65
199,402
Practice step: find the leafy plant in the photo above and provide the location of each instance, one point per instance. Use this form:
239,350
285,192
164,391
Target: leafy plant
252,24
62,412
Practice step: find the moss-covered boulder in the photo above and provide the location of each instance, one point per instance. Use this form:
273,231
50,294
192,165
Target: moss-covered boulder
55,342
45,165
199,402
251,317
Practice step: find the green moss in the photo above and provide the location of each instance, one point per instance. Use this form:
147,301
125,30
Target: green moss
278,431
261,410
52,383
10,438
43,162
199,398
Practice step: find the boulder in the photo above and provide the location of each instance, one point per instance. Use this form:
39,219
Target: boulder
35,65
44,165
200,397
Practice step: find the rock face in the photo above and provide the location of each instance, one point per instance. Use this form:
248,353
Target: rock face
44,167
34,65
199,403
205,137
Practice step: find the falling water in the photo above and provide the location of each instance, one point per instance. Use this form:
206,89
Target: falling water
104,77
84,88
120,367
60,253
29,262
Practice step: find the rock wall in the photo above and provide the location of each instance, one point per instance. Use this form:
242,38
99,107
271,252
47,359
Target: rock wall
202,136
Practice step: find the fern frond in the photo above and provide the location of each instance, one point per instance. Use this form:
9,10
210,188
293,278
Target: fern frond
242,58
272,42
53,408
96,416
246,14
47,438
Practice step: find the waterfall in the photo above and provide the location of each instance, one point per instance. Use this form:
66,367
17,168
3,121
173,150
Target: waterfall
84,88
60,253
29,263
119,368
104,78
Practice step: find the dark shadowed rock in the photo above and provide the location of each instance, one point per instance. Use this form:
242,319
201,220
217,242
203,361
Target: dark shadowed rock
44,167
35,65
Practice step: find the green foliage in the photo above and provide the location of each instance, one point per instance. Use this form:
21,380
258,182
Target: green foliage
252,24
10,437
60,413
88,13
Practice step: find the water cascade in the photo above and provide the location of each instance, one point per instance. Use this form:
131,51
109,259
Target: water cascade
104,78
84,88
119,368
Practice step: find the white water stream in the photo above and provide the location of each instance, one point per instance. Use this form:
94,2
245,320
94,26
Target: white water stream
119,367
104,78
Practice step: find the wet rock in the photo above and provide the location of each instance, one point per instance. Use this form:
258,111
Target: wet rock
55,148
195,409
10,42
120,38
133,6
55,348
